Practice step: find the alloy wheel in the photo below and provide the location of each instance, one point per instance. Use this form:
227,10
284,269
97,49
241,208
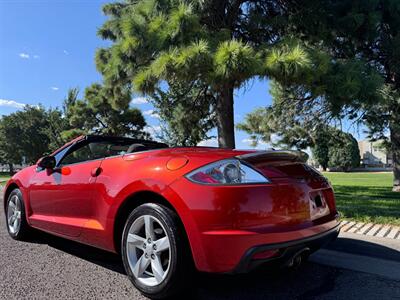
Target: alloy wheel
14,214
148,250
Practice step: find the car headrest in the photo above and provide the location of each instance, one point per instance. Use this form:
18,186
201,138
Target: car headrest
136,148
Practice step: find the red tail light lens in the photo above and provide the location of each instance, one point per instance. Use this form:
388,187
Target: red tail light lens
227,172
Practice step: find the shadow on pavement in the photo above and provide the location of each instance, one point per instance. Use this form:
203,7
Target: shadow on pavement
97,256
365,248
305,283
310,281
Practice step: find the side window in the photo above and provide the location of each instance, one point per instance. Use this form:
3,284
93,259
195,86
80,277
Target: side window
77,155
61,154
87,152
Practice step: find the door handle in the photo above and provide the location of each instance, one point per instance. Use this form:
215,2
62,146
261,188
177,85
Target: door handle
96,172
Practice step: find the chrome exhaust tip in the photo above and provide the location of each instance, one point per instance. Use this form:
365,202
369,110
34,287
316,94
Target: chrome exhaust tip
298,258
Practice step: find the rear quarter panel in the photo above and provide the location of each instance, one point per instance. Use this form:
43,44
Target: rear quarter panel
124,176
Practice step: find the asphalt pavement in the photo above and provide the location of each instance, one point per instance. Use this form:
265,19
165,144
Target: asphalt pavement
48,267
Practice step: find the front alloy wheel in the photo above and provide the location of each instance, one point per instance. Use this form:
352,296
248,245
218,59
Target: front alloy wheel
14,214
155,252
17,226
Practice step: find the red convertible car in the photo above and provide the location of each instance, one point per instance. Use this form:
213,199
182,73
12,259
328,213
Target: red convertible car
168,211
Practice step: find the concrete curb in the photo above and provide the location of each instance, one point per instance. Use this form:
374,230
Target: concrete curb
370,229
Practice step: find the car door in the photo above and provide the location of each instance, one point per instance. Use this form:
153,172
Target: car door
62,199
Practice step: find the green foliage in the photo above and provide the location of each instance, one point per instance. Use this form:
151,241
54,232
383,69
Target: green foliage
188,112
291,120
256,124
300,127
314,82
333,55
57,124
288,59
344,153
335,149
216,44
235,61
365,33
322,146
28,134
103,111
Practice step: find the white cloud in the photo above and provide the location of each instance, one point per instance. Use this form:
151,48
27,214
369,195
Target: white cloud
246,141
65,52
28,56
54,88
154,131
24,55
260,146
209,143
139,100
11,103
151,113
274,138
148,112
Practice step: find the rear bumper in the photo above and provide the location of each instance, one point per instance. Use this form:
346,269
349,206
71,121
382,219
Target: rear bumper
224,223
232,251
286,250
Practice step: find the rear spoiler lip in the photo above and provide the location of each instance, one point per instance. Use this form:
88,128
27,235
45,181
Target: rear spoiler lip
275,155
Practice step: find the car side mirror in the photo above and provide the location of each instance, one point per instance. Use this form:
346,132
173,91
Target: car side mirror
47,162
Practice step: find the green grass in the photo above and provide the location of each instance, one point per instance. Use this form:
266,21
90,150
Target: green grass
366,197
3,178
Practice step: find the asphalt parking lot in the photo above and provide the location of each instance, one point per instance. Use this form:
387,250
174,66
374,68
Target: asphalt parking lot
48,267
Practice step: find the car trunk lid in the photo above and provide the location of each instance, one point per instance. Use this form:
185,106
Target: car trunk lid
281,164
288,169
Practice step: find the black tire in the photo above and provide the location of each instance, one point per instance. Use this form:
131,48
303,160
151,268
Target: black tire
181,268
24,229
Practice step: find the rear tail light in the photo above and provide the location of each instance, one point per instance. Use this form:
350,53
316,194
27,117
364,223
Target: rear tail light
227,172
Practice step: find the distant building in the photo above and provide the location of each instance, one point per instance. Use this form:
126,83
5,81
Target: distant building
373,155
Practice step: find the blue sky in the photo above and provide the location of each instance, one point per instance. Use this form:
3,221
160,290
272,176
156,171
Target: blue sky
48,46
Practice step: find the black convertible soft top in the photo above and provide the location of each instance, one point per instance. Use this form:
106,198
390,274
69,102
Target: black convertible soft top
126,140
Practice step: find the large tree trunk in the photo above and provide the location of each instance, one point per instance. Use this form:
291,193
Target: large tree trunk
395,142
225,122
